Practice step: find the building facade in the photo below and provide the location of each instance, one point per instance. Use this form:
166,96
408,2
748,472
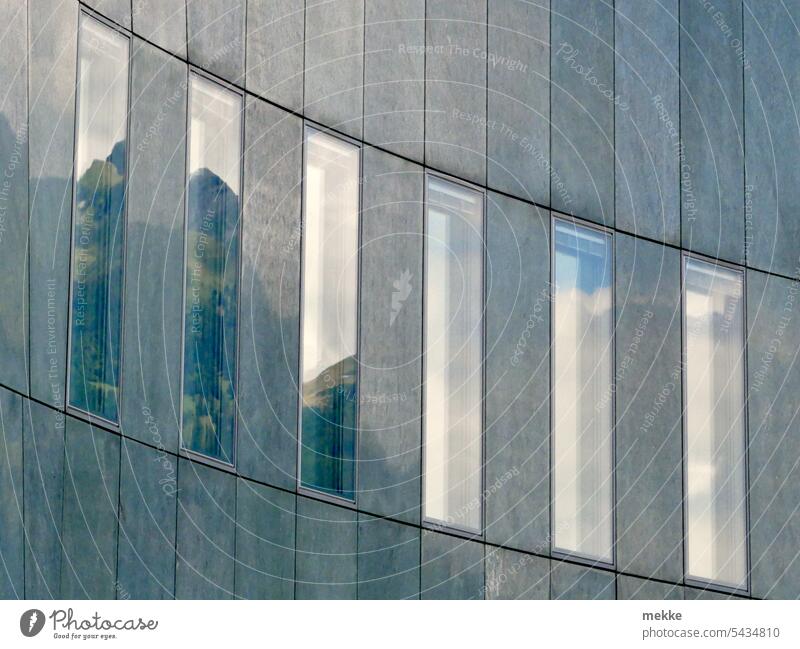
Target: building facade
399,299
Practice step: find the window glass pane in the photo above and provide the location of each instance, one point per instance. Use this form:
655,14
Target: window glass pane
453,353
330,285
715,433
98,222
212,270
582,391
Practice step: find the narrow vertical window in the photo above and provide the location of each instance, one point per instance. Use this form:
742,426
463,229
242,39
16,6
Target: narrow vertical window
98,220
212,269
582,391
330,315
715,423
453,295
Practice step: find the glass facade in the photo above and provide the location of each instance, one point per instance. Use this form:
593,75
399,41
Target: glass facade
98,220
582,411
716,546
212,269
329,371
453,294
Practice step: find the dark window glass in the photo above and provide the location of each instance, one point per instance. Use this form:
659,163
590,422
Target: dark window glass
98,222
212,270
329,343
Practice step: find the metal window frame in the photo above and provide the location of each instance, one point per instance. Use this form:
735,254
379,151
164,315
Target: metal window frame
309,127
428,522
85,13
191,72
555,551
691,580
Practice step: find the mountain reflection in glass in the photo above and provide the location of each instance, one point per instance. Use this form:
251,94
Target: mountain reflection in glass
98,220
582,392
453,352
212,270
329,336
716,546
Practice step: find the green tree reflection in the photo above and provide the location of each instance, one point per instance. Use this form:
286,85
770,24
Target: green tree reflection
212,264
97,285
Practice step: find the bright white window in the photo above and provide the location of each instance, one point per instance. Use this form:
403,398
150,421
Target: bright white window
453,334
582,392
330,315
716,547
